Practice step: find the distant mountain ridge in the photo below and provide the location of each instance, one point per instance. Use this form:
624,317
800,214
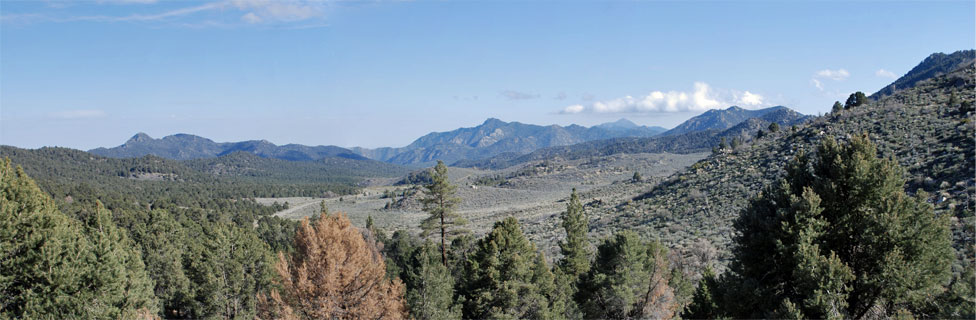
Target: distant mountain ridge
494,137
187,147
698,134
934,65
719,119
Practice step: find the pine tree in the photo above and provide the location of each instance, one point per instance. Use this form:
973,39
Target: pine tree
838,238
576,247
704,302
628,280
162,239
125,289
430,286
225,268
774,127
333,274
506,277
837,107
440,203
856,100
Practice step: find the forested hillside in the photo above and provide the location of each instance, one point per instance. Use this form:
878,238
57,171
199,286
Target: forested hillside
187,146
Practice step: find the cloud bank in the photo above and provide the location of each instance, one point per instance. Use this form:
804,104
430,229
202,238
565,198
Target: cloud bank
702,98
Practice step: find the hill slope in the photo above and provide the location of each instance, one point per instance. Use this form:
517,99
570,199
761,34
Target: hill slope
935,65
926,133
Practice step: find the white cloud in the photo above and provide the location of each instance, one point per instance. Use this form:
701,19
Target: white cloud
885,74
250,17
751,99
576,108
77,114
817,83
836,75
702,98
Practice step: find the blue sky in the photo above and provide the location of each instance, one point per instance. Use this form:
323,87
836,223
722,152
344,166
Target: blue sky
85,74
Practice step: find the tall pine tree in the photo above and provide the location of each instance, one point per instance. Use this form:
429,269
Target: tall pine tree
440,203
576,247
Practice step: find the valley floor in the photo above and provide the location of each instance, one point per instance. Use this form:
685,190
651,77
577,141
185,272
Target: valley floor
535,193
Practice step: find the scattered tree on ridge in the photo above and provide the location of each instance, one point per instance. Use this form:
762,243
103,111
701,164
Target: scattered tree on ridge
440,202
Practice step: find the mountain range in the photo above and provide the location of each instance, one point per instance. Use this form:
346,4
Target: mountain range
188,147
717,119
492,138
495,137
700,133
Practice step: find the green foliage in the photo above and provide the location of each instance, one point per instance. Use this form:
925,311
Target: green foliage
576,248
425,176
576,254
429,284
628,280
959,300
837,107
440,202
125,288
855,100
837,239
505,277
704,302
53,266
773,127
226,269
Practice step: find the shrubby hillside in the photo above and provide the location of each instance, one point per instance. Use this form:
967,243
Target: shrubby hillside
928,129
